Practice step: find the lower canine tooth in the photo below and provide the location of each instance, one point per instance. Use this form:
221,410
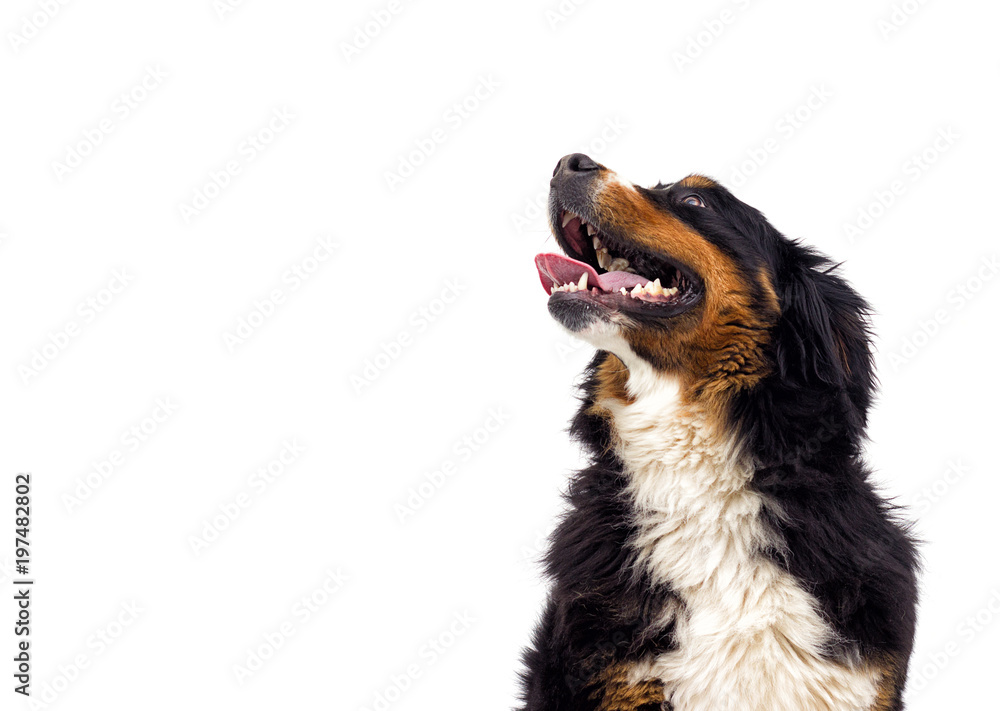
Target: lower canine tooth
583,282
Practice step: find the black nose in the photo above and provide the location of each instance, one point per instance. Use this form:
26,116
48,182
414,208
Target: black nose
575,163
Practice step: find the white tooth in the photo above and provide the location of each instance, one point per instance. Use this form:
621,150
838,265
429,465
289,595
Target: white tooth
583,282
572,287
597,244
670,292
567,217
655,287
591,230
636,290
554,289
618,264
622,290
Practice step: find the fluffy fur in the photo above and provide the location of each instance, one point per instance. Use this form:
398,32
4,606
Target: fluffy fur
725,550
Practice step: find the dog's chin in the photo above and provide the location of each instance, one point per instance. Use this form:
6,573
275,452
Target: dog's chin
590,321
580,314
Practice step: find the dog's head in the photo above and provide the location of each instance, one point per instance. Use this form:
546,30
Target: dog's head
685,280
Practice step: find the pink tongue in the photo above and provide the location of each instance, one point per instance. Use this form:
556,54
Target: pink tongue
556,270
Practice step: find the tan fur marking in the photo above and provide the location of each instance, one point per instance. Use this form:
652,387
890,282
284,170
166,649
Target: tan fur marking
611,386
697,181
764,280
615,691
612,377
888,686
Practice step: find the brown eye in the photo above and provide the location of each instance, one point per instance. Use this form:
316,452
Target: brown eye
694,200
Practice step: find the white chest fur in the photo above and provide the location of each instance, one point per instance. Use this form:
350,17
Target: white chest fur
749,637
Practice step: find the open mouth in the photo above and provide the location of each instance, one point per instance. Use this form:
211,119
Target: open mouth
609,271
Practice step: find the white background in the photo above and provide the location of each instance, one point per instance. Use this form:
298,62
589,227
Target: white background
655,90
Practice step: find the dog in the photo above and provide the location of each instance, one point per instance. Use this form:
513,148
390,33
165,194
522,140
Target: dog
725,549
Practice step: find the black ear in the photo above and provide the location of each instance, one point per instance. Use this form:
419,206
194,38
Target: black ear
822,340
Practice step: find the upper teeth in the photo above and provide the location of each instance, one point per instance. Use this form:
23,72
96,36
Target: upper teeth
605,258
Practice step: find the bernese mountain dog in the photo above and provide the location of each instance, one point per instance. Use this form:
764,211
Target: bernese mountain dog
725,549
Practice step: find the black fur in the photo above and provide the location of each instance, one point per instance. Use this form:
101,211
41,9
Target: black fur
601,608
804,427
